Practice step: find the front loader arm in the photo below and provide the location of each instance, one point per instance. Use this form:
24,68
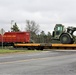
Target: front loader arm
71,30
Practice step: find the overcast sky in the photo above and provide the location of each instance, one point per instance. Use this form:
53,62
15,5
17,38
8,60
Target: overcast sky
46,13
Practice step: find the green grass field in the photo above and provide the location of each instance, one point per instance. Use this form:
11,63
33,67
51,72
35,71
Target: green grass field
5,51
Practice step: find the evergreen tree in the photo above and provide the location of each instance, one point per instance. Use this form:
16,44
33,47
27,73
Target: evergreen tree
15,28
42,36
49,37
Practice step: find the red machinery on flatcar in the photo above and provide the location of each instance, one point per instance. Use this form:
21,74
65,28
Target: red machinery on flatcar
9,38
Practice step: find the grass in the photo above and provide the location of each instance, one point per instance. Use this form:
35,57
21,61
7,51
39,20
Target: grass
5,51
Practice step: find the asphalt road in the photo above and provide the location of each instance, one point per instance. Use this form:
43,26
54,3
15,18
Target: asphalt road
42,63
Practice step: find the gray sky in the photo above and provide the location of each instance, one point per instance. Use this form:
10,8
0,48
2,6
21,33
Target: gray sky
46,13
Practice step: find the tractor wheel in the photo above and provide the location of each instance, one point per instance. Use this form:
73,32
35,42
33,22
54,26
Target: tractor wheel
65,39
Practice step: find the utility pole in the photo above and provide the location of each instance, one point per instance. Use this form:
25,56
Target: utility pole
12,23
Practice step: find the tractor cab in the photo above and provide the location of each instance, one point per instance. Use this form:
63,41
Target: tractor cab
59,28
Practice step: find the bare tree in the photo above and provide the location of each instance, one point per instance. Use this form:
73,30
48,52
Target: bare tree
33,28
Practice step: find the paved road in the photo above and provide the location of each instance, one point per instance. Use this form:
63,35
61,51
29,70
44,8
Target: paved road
42,63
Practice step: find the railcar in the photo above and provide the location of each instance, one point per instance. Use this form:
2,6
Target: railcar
9,38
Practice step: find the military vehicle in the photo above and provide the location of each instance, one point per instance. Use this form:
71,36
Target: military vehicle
64,35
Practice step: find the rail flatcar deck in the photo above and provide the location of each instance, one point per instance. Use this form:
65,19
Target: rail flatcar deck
63,46
45,46
33,45
24,45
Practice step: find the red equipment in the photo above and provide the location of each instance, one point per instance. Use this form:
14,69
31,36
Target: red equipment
15,37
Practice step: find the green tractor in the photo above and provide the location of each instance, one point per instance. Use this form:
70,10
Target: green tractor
64,35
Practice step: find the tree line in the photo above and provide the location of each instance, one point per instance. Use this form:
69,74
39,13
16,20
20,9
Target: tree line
33,28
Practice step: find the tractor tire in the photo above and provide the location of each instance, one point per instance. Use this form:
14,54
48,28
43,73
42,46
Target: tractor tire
65,39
